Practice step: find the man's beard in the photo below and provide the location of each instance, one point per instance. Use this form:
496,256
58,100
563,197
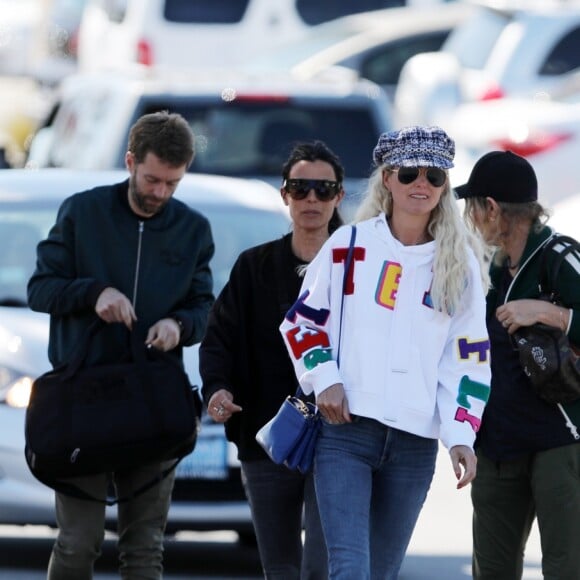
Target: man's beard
148,205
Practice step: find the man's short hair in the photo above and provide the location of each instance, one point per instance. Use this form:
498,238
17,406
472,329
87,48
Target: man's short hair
166,135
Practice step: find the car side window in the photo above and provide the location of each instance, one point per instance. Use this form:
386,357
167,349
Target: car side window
204,12
383,66
318,11
565,56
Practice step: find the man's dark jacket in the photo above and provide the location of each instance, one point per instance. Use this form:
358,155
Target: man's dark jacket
161,264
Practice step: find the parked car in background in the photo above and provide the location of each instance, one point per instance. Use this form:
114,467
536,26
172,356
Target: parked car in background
198,33
38,38
17,24
375,44
506,48
565,216
56,40
244,125
208,491
546,131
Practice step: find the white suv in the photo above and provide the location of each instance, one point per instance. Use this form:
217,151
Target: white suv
201,33
507,48
244,126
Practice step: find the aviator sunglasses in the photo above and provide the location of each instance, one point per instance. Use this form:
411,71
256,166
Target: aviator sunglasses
299,189
435,176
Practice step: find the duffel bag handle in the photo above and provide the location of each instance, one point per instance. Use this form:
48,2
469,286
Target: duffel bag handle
138,348
80,353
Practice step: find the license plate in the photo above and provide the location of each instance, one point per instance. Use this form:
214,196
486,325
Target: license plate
207,461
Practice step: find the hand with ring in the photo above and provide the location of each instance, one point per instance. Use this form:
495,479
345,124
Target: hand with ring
221,406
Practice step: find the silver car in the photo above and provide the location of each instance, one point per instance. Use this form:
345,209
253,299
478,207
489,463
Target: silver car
208,492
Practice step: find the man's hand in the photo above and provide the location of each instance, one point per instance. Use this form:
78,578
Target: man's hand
113,306
164,335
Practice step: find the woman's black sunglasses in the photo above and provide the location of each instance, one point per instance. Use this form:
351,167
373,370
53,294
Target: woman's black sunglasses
435,176
299,189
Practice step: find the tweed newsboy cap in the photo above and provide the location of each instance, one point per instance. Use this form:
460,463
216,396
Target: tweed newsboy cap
415,147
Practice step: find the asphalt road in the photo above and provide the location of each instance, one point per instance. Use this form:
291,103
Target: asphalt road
440,548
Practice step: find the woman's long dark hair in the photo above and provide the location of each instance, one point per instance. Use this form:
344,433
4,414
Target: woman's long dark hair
317,151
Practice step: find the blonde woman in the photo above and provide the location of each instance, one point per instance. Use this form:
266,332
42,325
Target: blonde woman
414,354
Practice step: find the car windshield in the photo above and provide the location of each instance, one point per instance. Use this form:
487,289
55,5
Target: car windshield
473,41
21,228
248,138
23,225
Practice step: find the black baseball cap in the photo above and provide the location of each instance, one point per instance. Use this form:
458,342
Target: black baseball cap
503,176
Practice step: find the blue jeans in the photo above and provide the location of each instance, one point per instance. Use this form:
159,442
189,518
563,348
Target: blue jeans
371,483
140,527
279,499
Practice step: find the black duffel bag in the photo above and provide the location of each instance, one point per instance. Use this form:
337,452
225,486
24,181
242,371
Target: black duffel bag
88,420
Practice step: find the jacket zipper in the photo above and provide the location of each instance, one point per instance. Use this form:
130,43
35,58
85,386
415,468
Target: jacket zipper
138,263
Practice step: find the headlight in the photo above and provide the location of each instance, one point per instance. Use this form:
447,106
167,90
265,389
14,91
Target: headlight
14,388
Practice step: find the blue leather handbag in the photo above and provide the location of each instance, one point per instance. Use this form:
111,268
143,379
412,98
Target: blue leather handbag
289,437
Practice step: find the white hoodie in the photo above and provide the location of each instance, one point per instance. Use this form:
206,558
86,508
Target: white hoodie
401,362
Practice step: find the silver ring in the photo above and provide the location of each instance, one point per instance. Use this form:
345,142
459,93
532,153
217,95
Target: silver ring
220,411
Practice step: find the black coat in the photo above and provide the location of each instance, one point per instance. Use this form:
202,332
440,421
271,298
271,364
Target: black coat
243,350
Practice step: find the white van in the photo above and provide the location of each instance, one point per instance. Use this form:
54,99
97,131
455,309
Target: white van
201,33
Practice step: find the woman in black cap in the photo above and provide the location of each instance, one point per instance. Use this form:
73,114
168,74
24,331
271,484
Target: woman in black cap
413,361
528,449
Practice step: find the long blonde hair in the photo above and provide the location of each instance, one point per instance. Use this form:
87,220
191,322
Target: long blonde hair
452,238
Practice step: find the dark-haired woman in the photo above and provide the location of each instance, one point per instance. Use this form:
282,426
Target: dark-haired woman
246,370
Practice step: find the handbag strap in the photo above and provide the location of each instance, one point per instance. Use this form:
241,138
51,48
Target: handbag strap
347,264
